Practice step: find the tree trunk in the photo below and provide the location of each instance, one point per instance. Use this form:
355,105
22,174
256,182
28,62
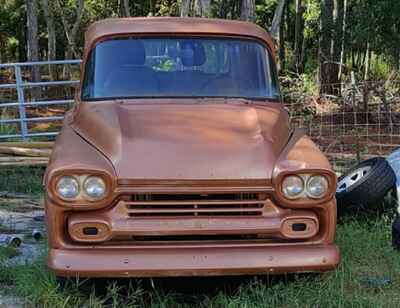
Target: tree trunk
185,8
32,37
223,9
329,53
206,4
338,17
152,4
303,56
51,37
248,10
126,11
342,49
281,45
303,53
276,22
234,9
203,8
75,27
71,32
197,8
326,29
396,60
298,37
367,62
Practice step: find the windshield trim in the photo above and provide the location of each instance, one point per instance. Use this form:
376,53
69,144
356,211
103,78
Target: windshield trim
258,99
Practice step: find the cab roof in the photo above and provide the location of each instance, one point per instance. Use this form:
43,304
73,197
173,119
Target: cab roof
174,26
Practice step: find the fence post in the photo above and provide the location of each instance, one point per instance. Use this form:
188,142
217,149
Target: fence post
353,101
21,101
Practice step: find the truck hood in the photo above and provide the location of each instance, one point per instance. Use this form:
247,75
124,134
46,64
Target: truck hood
185,140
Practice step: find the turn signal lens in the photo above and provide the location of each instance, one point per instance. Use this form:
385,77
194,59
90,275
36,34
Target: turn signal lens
94,187
68,187
292,187
317,186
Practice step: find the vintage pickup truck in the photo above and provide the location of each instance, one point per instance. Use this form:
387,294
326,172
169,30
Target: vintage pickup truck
178,159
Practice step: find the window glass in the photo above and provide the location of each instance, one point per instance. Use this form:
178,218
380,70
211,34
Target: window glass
179,67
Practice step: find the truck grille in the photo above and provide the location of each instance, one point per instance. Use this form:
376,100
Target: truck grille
215,204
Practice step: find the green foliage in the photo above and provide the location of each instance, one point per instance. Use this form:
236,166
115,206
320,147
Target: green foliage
311,19
12,37
381,68
265,12
167,8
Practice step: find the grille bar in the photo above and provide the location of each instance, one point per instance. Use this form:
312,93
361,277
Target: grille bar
161,211
196,204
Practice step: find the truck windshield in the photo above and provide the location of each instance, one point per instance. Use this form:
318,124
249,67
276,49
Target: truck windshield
179,67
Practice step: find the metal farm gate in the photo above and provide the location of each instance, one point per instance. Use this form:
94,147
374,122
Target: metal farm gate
24,103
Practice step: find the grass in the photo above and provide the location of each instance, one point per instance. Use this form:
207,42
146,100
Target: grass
27,180
369,276
8,252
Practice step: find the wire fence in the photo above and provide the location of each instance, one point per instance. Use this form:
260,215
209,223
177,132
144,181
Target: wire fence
362,122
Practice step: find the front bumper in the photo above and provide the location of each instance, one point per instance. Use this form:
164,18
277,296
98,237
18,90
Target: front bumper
192,261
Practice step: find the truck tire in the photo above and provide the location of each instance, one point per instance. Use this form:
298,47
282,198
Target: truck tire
396,233
365,184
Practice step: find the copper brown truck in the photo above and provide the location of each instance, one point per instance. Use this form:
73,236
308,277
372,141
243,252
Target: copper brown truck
178,159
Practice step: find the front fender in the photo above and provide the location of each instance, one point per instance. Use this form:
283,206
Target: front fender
301,153
302,156
71,152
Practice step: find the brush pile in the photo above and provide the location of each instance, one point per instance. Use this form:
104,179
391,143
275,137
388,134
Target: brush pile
25,153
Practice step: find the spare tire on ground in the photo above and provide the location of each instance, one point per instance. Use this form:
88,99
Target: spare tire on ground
365,184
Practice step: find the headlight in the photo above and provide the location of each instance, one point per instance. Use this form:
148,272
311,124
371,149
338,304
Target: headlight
68,187
317,186
292,186
94,187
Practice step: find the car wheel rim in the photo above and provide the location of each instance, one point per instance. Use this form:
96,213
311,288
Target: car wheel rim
352,178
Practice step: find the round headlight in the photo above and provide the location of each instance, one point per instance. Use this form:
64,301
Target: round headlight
317,186
94,187
292,186
68,187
